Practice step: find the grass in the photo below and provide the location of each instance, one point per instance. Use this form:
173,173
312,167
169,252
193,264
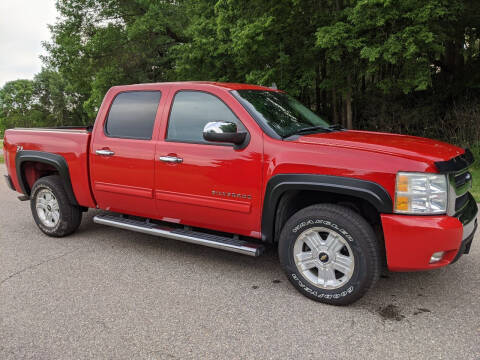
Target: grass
476,183
475,170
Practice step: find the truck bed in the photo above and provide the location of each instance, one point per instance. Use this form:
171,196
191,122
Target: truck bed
70,142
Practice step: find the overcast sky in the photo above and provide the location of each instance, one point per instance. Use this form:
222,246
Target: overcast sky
23,27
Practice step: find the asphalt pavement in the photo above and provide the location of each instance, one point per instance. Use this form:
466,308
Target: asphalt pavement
105,293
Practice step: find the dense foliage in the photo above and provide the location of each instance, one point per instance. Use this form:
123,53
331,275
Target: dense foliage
408,66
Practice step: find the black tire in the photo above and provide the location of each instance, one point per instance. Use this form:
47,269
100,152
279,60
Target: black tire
70,216
356,232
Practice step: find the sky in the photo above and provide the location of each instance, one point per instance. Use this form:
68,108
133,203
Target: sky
23,27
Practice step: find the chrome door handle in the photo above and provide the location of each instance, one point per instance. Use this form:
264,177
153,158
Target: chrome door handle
105,152
171,159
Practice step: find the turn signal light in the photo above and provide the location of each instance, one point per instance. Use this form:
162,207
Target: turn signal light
402,203
402,183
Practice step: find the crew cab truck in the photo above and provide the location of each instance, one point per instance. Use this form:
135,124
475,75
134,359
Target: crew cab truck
236,166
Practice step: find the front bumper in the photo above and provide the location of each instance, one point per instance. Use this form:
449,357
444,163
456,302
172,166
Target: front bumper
410,241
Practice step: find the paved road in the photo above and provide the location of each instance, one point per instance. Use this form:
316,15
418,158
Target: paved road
113,294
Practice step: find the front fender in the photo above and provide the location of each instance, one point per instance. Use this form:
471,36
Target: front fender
370,191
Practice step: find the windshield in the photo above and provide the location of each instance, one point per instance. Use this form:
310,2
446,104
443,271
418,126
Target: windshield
280,112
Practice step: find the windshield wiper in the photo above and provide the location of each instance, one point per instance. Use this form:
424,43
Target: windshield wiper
336,127
309,130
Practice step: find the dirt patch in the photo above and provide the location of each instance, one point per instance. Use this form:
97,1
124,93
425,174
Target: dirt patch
391,312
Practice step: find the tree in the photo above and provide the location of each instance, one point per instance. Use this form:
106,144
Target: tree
101,43
395,46
256,41
374,64
53,97
17,101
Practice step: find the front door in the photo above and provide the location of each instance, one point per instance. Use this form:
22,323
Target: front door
210,185
122,155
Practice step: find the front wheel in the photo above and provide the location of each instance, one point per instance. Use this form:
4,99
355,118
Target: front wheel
51,209
330,254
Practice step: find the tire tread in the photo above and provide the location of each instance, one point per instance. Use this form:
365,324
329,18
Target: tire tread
70,215
359,223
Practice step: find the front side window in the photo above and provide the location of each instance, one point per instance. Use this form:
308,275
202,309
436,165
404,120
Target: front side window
191,111
280,112
132,115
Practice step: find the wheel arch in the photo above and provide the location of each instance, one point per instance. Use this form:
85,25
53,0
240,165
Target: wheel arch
286,189
51,162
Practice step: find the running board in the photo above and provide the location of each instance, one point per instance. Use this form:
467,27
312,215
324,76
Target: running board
194,237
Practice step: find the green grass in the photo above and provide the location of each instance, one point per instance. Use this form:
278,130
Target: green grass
476,183
476,173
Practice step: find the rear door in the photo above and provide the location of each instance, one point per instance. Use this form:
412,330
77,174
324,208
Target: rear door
122,153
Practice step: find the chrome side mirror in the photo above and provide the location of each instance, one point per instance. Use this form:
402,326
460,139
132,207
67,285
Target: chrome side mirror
223,131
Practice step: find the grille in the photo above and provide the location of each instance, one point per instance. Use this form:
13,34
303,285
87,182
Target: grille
462,179
460,182
461,201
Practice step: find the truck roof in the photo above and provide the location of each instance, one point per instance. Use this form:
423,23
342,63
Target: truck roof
224,85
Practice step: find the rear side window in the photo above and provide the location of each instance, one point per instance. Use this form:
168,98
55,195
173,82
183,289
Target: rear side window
132,115
191,111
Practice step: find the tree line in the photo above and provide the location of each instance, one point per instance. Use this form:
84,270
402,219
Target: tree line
408,66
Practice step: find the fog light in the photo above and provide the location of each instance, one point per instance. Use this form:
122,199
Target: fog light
436,257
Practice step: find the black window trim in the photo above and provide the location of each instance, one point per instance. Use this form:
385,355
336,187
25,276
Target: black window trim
131,137
166,139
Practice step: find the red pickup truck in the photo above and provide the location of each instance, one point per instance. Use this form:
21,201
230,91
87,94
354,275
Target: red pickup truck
236,166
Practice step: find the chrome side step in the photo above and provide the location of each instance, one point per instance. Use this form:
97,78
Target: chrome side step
194,237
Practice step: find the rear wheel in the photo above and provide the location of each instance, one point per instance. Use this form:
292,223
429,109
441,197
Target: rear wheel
51,209
330,254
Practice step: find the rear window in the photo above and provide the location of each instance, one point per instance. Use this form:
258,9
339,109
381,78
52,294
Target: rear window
132,115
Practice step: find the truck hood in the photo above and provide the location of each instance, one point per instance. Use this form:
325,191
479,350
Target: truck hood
412,147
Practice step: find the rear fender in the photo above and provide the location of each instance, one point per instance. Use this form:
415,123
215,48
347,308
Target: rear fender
56,161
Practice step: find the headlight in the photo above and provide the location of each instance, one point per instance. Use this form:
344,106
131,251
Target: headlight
420,193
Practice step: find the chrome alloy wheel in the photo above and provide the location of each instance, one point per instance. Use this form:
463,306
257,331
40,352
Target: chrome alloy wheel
48,210
324,257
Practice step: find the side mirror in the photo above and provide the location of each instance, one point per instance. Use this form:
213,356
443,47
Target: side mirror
222,131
